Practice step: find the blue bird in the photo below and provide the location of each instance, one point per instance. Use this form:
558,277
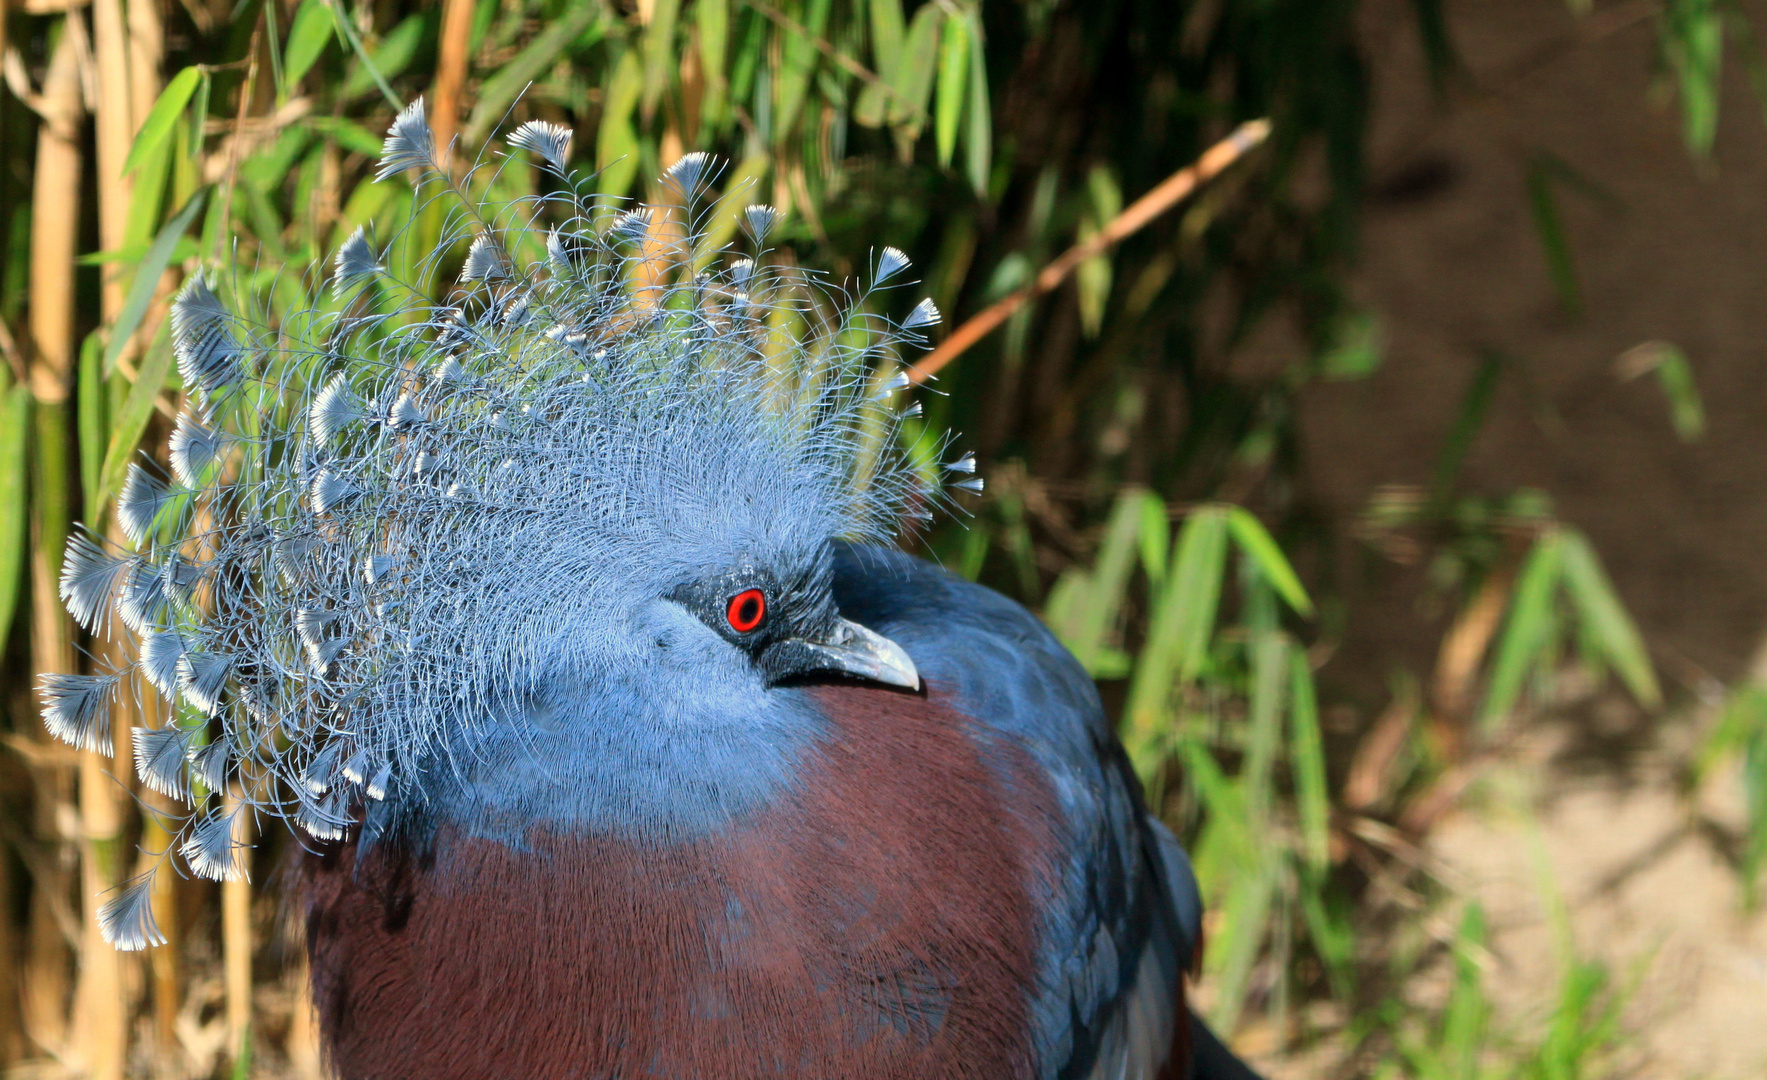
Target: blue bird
562,618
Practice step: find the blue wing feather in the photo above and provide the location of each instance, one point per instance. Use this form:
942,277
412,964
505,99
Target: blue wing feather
1121,914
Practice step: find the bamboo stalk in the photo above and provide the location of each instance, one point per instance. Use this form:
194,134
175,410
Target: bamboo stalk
55,221
451,64
147,46
114,130
103,986
1167,194
236,940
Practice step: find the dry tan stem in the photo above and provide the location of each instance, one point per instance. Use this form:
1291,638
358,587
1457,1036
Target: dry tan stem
1170,191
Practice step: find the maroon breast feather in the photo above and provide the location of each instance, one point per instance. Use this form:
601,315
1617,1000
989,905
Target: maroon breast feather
878,922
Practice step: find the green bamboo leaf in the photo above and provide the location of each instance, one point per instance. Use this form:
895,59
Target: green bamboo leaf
347,30
1156,539
1529,628
886,35
581,25
1601,612
1693,39
147,277
1179,627
1223,805
1549,227
1355,349
15,426
166,109
156,365
798,61
713,18
616,144
1270,679
1307,760
1093,278
308,35
348,135
147,194
913,78
1686,411
1083,606
397,48
659,51
953,87
978,136
1258,545
1245,923
1675,375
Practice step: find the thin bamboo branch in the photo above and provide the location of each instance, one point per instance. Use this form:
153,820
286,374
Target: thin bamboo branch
1169,193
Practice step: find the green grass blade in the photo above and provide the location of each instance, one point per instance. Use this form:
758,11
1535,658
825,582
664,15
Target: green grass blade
501,89
1468,1012
1601,612
1258,545
147,279
1527,631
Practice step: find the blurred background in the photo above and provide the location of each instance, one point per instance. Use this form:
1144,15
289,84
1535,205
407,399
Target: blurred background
1402,486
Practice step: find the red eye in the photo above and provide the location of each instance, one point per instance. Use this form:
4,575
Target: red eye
747,609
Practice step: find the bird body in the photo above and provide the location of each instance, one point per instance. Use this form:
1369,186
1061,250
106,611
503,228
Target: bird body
955,883
561,617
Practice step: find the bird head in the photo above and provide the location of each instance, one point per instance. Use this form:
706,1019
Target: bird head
409,543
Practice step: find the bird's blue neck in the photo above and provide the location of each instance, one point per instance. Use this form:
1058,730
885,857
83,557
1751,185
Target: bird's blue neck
604,767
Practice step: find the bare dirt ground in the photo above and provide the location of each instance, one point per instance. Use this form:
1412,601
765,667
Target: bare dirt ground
1453,267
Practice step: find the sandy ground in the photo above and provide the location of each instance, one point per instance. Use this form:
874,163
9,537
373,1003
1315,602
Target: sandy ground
1648,893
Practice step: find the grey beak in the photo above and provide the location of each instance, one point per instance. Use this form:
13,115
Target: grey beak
850,649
